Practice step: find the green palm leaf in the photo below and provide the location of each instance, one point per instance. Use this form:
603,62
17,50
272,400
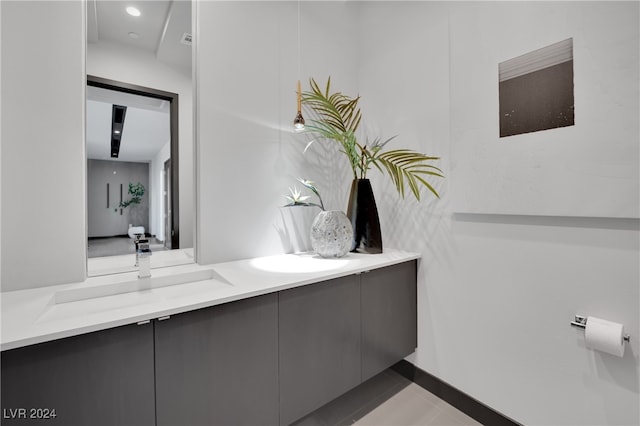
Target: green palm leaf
337,117
336,109
404,164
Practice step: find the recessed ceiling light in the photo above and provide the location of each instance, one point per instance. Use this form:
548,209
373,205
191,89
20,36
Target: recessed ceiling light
133,11
134,35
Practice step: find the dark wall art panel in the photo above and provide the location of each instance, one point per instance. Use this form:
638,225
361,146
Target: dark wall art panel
536,90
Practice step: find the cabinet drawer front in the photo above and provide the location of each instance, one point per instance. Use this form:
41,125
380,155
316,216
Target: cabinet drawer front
219,365
319,345
101,378
389,317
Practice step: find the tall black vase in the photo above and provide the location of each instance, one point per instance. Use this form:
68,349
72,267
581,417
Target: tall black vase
363,213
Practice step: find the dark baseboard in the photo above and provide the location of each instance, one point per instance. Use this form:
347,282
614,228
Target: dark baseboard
109,236
146,234
463,402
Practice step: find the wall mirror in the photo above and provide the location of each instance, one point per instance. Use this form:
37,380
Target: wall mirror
139,133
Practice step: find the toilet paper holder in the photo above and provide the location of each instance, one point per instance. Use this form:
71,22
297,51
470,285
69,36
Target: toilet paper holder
581,321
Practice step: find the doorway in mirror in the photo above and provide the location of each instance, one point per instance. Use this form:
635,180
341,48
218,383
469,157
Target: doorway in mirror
132,174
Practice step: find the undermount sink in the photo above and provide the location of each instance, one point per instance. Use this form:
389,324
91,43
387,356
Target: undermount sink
298,264
136,285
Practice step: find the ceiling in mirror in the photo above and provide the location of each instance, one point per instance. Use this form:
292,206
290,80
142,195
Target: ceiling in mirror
163,28
146,127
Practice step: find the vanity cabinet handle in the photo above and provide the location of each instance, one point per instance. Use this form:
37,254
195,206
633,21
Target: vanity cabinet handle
164,318
143,322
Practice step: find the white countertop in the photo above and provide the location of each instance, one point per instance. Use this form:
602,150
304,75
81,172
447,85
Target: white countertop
54,312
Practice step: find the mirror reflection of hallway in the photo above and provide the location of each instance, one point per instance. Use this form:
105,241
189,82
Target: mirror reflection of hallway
126,156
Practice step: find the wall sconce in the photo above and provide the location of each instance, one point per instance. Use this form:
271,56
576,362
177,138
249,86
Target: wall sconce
298,122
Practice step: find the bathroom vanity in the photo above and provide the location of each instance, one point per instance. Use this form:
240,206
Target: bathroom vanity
259,341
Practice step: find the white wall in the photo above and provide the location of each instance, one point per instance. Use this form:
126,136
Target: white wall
156,213
107,222
120,63
43,161
560,172
497,292
247,71
1,214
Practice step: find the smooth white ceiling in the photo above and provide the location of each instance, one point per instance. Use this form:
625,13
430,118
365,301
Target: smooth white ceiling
146,125
160,27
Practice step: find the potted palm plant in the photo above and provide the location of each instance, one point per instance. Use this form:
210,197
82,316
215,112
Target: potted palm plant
336,117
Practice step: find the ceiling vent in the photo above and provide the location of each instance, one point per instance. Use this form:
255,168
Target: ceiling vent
186,39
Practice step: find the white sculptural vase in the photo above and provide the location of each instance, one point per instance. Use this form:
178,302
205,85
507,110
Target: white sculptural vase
331,234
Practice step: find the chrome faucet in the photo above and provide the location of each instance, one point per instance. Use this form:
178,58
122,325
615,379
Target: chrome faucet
136,240
143,254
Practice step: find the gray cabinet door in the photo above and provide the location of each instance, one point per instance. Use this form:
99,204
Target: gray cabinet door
389,316
101,378
319,345
219,365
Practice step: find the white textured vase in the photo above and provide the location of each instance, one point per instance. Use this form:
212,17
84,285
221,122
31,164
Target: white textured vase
331,234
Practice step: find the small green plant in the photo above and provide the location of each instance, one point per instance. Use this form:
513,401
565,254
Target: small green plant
337,116
296,198
136,191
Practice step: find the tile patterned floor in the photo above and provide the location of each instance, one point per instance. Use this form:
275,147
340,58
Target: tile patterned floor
415,406
387,399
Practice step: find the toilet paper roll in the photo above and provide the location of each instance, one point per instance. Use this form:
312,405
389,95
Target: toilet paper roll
605,336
